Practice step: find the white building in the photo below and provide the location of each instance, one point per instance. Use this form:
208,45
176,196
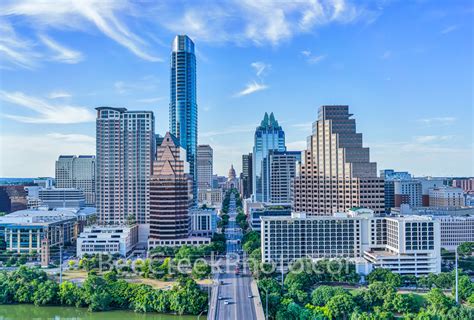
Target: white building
107,240
406,245
211,197
446,197
204,167
203,222
412,246
62,197
77,172
455,230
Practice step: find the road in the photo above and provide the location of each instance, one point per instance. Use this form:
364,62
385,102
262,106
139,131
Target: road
234,288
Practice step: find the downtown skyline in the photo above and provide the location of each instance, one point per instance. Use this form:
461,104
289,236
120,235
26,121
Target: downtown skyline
412,118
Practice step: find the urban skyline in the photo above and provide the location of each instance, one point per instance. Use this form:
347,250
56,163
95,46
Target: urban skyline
382,74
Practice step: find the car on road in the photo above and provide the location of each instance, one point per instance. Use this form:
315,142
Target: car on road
220,297
250,296
226,302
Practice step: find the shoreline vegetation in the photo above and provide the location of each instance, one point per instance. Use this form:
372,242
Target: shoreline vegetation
32,285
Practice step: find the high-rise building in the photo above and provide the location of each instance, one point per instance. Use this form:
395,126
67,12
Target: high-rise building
336,174
183,105
246,176
125,143
282,172
269,136
204,167
77,172
171,193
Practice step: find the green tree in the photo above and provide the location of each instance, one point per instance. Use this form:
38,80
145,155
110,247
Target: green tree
70,294
46,293
465,288
385,275
438,302
201,270
322,294
341,306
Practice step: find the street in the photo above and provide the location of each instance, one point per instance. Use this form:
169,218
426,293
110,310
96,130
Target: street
233,287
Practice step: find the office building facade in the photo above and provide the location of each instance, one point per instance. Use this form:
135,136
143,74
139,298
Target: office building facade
204,167
246,176
125,143
183,115
282,172
446,197
389,176
335,172
269,136
171,193
77,172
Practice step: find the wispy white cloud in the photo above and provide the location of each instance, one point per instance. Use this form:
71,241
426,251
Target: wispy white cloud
251,87
71,137
14,49
58,94
443,121
260,67
146,83
260,21
46,112
63,54
105,16
449,29
433,138
312,58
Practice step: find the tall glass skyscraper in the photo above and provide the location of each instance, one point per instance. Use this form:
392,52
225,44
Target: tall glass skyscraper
269,136
183,105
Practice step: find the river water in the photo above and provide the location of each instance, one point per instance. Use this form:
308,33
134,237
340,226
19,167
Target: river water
30,312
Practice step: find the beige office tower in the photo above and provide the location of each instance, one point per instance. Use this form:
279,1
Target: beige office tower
335,173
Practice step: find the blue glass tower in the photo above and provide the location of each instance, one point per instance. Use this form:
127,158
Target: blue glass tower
183,105
269,136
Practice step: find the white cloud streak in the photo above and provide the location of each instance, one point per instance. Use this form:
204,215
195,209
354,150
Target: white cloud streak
104,15
46,112
449,29
251,87
63,54
312,58
59,94
261,21
442,121
260,67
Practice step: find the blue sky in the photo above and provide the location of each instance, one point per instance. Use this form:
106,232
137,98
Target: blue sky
405,68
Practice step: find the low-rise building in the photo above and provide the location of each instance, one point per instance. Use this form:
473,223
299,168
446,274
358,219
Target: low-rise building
267,211
23,231
405,245
455,230
211,197
203,222
446,197
107,240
